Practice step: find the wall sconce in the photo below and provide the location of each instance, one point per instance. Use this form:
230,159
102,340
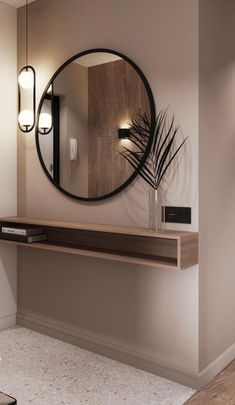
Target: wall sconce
27,84
123,133
26,89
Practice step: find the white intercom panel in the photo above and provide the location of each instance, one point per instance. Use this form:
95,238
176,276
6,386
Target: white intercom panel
73,149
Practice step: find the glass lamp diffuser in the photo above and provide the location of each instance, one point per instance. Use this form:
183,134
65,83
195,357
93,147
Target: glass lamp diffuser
26,118
26,79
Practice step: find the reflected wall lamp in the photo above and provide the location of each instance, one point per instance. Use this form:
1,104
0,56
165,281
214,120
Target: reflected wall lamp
26,89
45,122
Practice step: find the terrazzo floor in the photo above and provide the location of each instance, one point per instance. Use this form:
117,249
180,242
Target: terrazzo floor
39,370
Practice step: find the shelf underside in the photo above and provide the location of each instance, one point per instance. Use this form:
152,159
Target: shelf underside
163,262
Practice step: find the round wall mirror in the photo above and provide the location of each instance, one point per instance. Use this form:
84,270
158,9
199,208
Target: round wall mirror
83,120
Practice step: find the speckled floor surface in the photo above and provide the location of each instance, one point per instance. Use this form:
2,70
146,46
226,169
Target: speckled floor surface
40,370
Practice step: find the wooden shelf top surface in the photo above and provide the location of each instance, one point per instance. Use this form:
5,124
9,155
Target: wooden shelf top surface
128,230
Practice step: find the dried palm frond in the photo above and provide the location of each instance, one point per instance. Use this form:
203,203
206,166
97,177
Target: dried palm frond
163,150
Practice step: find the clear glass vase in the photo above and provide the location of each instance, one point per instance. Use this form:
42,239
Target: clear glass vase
155,210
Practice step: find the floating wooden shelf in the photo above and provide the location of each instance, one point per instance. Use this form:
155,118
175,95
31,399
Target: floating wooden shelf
168,249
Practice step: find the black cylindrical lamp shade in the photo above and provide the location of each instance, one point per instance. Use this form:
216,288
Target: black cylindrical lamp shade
123,133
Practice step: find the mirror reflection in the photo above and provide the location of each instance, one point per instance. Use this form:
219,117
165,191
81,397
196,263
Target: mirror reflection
83,124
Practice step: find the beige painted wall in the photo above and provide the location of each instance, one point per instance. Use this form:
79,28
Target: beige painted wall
217,182
152,312
8,119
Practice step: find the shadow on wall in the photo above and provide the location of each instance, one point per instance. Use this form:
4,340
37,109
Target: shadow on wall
176,185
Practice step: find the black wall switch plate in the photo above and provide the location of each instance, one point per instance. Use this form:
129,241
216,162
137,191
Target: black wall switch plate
178,215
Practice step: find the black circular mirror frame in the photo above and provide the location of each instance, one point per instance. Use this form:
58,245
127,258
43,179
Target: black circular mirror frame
152,114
